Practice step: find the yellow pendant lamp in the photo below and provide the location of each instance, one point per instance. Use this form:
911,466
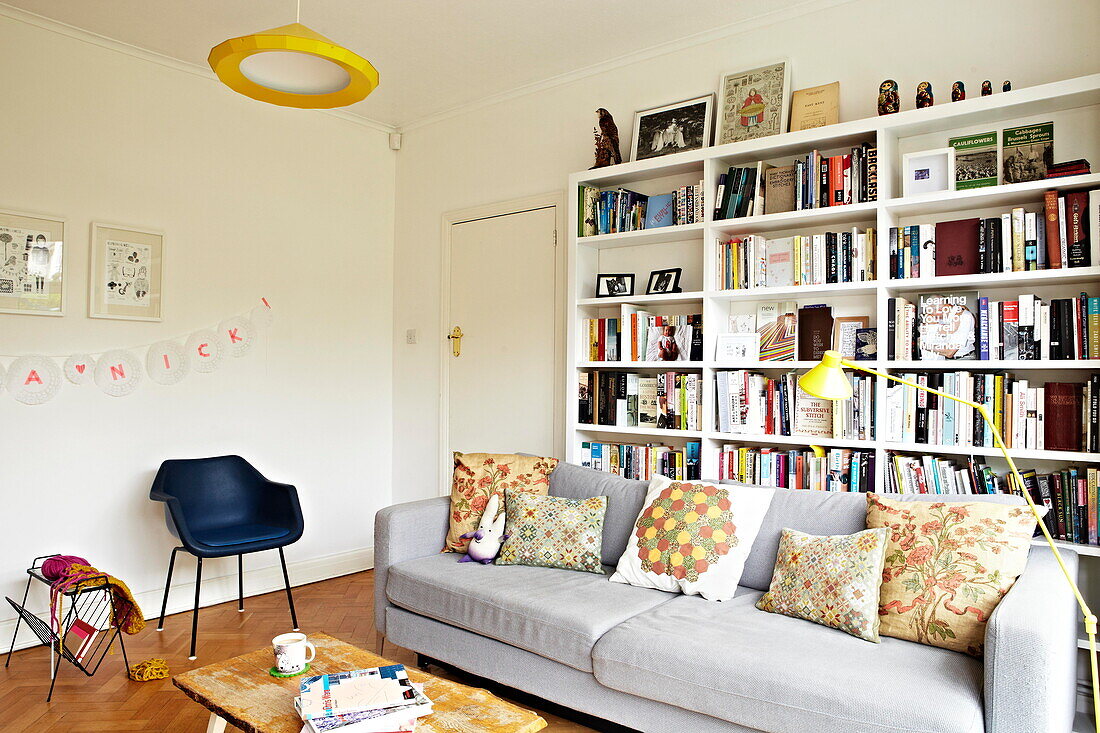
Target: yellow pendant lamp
293,66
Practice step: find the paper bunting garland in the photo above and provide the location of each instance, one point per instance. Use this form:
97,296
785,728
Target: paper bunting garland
166,362
35,379
204,351
118,373
78,368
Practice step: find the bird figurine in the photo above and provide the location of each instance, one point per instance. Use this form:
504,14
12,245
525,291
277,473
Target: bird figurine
607,140
888,100
987,88
958,91
1006,86
924,95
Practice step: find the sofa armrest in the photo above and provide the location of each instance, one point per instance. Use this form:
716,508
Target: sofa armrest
1031,650
405,532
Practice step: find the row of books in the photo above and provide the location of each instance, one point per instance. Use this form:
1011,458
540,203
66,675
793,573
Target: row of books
1057,236
637,335
375,700
1070,496
966,325
1055,416
928,474
817,259
666,400
622,210
750,403
643,462
837,469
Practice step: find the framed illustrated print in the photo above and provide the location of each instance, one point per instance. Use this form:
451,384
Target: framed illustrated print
673,128
928,171
845,329
754,103
32,264
127,273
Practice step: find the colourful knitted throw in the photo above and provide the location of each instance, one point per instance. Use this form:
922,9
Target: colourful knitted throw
72,573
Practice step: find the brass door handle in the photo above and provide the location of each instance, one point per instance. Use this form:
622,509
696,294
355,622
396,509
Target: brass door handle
456,340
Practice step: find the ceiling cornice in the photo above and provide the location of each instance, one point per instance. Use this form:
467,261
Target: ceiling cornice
713,34
56,26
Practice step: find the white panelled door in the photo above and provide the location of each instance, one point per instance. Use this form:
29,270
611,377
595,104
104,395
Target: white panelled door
501,394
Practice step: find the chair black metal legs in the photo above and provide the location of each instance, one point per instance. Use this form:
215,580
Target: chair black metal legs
240,583
289,595
195,615
167,585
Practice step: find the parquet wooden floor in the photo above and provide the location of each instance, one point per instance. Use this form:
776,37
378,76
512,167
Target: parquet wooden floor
111,702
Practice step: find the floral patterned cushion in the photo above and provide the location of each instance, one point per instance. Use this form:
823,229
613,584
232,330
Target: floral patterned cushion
553,532
478,476
832,581
693,537
948,564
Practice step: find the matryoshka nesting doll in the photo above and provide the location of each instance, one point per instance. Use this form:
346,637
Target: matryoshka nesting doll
924,95
1006,86
958,91
888,100
987,88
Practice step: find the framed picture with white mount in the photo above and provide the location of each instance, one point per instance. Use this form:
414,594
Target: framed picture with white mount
32,264
126,276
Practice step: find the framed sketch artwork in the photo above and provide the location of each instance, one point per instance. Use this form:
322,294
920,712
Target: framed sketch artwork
127,273
754,103
673,128
32,264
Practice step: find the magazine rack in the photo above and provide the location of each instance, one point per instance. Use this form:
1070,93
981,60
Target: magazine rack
92,603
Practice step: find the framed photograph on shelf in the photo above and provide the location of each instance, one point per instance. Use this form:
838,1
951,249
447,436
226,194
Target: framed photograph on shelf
32,264
611,285
664,281
928,171
673,128
754,103
845,329
126,273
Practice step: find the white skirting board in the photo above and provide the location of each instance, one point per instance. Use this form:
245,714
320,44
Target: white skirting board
216,589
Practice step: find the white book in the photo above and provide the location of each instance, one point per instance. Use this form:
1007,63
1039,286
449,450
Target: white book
723,402
779,270
895,402
1006,242
692,387
927,233
1094,227
819,259
1043,330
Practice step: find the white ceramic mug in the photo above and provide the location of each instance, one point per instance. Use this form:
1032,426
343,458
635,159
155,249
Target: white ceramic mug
290,653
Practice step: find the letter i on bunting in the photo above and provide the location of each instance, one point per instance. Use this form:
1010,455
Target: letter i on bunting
166,362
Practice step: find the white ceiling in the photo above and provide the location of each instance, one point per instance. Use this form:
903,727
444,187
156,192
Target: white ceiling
432,55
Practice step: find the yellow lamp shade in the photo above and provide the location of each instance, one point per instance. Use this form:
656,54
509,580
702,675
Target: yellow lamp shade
827,379
293,66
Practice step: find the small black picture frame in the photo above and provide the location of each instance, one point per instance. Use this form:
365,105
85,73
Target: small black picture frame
664,281
614,284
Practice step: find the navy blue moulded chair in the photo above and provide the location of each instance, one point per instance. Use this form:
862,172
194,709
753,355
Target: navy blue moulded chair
223,506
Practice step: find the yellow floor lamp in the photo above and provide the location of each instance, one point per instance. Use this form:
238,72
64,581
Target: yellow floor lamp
828,381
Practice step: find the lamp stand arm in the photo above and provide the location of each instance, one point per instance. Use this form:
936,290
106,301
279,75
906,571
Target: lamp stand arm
1088,616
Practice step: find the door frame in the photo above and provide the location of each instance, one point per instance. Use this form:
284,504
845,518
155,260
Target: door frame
551,199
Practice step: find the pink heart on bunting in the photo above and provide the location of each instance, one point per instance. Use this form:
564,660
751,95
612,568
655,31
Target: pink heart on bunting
79,368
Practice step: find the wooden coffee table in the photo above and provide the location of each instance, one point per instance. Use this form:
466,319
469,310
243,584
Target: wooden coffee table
241,692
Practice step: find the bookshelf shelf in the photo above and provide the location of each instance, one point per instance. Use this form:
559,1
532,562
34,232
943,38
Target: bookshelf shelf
850,214
677,233
1008,195
833,290
670,299
1073,105
1091,550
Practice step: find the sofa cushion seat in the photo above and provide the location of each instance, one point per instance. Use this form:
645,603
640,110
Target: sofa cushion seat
558,614
771,672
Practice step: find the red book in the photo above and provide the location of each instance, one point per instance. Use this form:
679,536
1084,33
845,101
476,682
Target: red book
957,247
1054,248
836,180
1062,416
601,335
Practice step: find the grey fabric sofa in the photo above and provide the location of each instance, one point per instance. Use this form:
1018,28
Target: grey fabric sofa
656,661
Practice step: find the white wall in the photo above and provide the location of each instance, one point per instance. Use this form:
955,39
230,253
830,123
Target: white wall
256,201
529,144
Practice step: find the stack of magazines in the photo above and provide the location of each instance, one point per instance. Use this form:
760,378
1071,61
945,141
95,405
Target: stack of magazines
375,700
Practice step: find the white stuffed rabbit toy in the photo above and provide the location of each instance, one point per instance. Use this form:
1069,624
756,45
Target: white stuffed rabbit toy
485,542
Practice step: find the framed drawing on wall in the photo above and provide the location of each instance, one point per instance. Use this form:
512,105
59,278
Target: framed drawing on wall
754,103
32,264
127,273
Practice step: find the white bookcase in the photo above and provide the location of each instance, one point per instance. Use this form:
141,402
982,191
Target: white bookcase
1073,106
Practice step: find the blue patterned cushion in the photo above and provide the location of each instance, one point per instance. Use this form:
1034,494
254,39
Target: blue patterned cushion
553,532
